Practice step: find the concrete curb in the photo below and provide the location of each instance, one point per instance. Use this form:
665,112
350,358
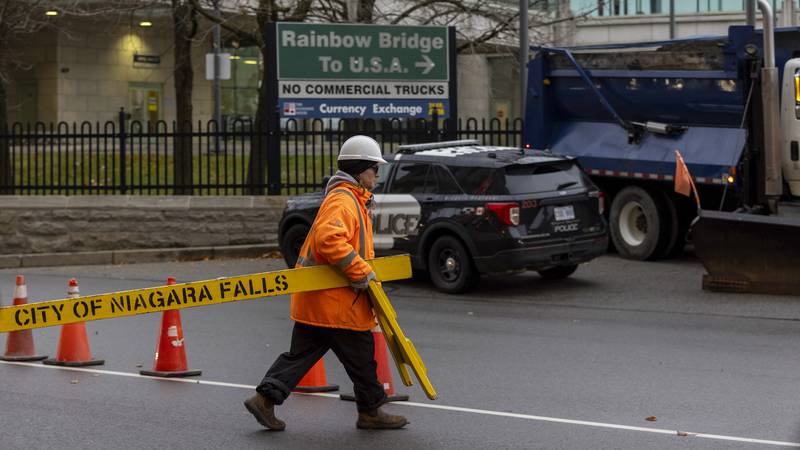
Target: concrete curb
135,256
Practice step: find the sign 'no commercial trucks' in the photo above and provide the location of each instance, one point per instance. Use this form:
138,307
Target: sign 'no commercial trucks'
363,71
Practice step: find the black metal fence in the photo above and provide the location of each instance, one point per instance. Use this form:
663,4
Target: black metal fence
129,157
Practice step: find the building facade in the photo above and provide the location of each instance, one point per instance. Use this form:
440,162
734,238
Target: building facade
88,69
621,21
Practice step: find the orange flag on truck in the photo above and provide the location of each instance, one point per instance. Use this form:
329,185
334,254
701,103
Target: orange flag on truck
684,184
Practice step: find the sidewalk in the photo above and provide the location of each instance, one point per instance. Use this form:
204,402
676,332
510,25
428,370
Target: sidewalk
137,255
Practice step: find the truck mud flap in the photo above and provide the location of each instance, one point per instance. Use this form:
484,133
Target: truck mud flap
748,253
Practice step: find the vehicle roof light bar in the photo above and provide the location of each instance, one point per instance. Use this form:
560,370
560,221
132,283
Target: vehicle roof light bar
411,148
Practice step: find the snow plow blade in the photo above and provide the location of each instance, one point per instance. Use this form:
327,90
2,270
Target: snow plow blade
748,253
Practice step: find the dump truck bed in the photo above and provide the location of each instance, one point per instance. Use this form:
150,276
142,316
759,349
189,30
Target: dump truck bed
681,55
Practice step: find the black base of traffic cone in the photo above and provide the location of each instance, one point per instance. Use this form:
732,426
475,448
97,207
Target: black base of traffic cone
91,362
389,398
171,374
23,358
328,388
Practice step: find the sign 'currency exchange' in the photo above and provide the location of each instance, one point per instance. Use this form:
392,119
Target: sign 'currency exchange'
362,71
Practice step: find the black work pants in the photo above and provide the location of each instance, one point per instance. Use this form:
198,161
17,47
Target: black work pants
355,350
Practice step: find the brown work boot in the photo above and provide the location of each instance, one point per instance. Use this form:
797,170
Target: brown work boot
264,411
379,420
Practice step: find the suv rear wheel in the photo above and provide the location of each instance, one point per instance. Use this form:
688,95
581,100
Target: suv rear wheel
558,272
292,241
450,266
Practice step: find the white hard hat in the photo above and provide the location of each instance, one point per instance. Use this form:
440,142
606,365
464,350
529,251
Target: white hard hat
362,148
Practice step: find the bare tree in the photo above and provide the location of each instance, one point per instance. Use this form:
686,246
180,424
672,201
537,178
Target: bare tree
185,21
476,21
19,20
264,12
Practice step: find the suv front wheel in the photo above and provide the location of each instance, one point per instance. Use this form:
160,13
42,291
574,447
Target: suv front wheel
292,241
450,266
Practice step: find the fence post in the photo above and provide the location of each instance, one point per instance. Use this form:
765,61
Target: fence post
122,145
6,164
452,125
435,126
274,155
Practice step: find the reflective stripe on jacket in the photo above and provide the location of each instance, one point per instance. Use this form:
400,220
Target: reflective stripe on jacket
342,236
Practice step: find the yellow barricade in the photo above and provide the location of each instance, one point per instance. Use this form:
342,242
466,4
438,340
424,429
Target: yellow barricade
225,290
402,349
188,295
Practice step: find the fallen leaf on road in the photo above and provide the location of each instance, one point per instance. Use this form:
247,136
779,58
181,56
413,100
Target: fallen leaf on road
650,418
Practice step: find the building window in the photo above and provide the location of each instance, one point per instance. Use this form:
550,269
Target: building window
240,92
608,8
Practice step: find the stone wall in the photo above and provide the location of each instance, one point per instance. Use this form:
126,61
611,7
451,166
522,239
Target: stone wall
54,224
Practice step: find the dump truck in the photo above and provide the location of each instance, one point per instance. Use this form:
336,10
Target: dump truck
729,104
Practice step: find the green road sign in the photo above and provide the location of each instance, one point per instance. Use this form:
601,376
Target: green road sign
361,52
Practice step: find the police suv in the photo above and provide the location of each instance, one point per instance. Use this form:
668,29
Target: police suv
461,209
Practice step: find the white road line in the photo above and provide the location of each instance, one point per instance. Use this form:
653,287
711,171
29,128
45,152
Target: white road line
440,407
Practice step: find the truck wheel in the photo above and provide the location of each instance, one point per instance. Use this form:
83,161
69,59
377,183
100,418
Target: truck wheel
558,272
292,241
450,266
639,224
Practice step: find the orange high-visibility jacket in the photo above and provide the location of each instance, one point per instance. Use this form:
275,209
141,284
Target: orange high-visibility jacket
341,236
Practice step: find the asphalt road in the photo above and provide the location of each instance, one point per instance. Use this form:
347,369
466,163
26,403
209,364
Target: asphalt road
519,363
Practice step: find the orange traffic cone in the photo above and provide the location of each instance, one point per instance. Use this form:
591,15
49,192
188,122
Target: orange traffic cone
170,358
73,345
19,345
315,380
384,369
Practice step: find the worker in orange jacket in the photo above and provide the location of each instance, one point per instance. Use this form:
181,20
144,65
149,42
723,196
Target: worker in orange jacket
339,319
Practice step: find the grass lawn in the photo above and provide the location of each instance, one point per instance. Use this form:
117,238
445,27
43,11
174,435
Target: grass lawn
63,172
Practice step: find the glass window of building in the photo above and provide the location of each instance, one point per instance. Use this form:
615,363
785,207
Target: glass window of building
240,92
609,8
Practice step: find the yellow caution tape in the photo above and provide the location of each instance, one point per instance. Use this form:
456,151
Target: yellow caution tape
189,295
402,349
